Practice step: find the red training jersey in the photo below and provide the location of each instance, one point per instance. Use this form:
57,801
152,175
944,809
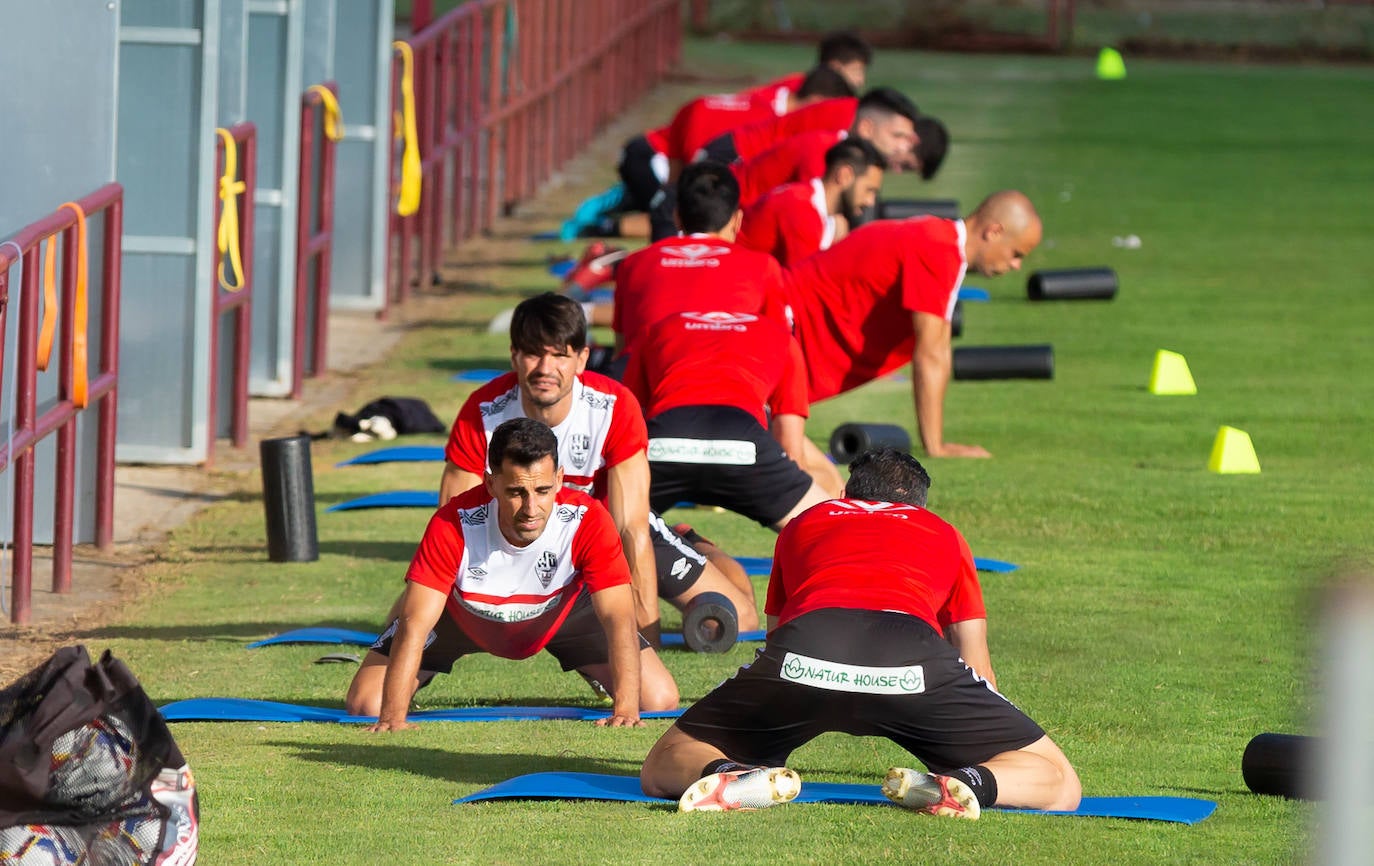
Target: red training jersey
706,117
789,223
847,553
697,272
854,303
792,160
511,600
718,359
776,92
830,115
603,429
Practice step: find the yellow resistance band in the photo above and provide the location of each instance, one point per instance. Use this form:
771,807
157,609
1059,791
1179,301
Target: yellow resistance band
333,117
79,314
227,235
409,201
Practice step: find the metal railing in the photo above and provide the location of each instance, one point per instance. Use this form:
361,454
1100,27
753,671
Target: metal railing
314,238
237,302
30,427
505,92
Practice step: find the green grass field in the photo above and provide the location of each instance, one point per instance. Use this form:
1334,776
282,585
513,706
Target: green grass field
1161,616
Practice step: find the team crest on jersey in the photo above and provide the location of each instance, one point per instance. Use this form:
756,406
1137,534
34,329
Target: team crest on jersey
579,450
858,506
545,567
473,516
566,513
497,406
692,256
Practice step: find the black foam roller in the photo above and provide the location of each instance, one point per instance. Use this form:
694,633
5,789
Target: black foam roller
1072,284
710,623
1279,764
956,322
850,440
288,497
901,208
1004,362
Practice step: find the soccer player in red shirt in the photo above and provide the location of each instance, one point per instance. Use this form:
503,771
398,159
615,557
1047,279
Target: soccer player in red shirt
703,270
844,52
885,295
876,627
797,219
712,384
602,447
884,117
517,565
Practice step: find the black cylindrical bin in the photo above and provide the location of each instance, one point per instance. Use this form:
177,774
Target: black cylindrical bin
1004,362
956,321
288,497
901,208
850,440
1072,284
1279,764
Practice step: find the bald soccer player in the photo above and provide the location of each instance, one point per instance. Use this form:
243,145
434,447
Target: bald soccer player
798,219
885,295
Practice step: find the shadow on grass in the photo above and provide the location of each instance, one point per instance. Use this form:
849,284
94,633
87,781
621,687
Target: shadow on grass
386,551
476,768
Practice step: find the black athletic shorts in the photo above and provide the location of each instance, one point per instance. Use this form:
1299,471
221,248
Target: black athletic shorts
579,642
721,149
639,174
721,455
677,563
860,672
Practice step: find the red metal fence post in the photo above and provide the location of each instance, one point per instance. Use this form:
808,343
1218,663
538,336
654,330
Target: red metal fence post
314,240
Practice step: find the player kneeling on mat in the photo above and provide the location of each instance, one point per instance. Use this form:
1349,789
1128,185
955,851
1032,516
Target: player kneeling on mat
517,565
876,627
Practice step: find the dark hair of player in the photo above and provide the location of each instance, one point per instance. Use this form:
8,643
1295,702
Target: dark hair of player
522,441
887,475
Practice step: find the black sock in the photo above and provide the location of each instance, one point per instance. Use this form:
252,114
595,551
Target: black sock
723,765
980,780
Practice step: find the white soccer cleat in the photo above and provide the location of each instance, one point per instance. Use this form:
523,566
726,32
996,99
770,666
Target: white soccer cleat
746,791
931,794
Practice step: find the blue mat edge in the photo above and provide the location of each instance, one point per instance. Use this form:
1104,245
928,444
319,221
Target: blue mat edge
1185,810
390,499
396,454
252,710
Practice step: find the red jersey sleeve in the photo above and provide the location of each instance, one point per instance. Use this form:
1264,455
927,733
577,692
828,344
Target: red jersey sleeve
436,560
596,550
628,434
790,397
776,595
966,596
931,272
467,439
775,303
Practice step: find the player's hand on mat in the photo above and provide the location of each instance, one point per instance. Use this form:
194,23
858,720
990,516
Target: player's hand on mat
389,725
621,720
954,449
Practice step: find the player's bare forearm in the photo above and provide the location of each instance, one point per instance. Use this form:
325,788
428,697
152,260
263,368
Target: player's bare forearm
931,364
789,431
401,671
456,481
615,608
627,498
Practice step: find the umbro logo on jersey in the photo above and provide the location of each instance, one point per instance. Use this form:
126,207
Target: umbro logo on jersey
473,516
858,506
476,572
718,321
692,256
545,567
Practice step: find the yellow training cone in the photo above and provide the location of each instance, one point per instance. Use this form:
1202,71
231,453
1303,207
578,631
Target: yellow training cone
1170,375
1233,453
1110,65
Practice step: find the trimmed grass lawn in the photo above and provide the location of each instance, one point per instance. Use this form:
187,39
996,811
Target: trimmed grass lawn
1162,615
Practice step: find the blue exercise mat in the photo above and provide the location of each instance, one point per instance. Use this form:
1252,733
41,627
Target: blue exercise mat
391,499
973,293
481,375
563,268
597,786
672,638
319,634
551,235
398,454
761,565
350,637
245,710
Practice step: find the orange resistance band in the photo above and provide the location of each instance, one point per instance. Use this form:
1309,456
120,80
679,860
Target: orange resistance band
48,326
